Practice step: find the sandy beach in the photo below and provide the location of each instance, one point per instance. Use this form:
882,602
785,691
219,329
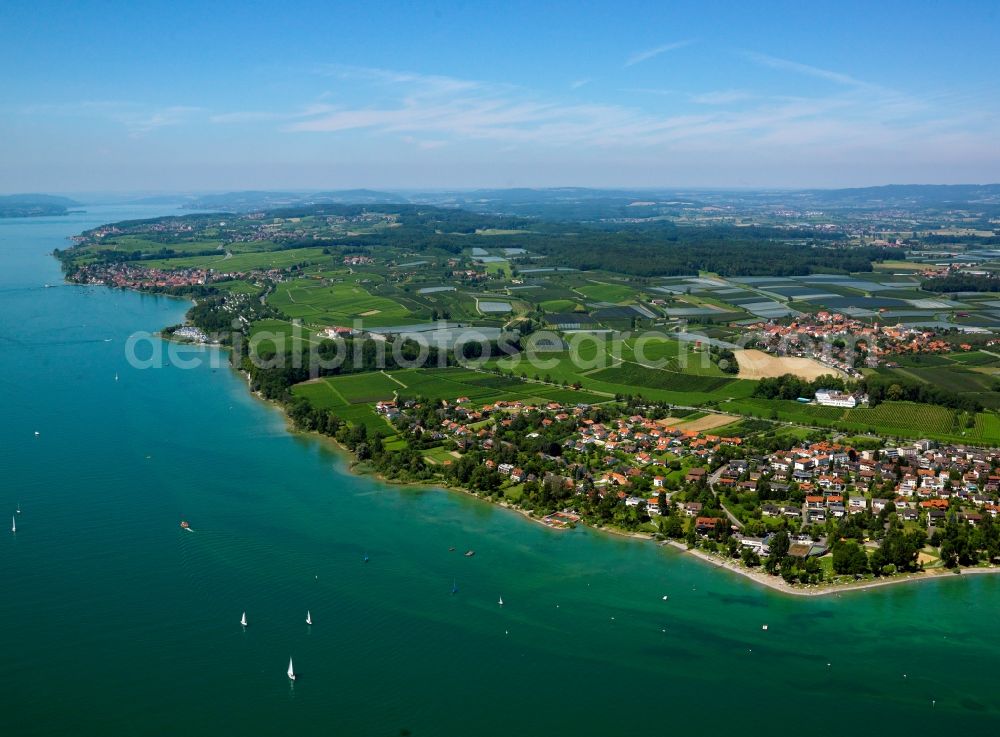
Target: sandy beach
777,583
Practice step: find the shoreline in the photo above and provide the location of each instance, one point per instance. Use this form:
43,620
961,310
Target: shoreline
760,577
777,583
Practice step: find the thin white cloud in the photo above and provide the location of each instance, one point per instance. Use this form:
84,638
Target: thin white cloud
137,118
793,66
427,83
650,91
264,116
432,111
578,83
721,97
641,56
142,122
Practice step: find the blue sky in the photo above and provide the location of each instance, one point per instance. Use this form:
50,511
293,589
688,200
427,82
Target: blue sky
160,96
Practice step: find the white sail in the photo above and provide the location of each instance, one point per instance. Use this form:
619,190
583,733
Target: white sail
501,601
309,619
13,524
243,619
291,671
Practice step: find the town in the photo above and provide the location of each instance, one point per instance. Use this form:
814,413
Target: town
834,512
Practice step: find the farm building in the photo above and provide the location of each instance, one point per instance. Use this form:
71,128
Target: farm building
831,398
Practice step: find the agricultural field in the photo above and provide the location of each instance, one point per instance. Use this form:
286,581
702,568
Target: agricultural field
558,305
986,429
756,364
323,395
600,292
902,418
245,261
128,243
352,396
482,387
339,304
634,375
335,277
786,411
888,419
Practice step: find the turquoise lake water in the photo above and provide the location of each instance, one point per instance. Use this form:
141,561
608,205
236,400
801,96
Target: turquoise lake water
114,621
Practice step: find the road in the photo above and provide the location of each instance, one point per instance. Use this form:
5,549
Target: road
712,480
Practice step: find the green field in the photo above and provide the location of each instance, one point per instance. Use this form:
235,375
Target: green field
889,419
498,268
637,376
324,395
607,292
339,304
787,411
686,380
137,243
280,335
975,358
558,305
987,428
351,396
902,418
244,261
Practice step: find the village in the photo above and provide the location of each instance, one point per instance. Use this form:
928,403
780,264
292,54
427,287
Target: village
720,492
137,276
848,344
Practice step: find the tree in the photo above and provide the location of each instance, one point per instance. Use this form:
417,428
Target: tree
779,549
750,557
849,558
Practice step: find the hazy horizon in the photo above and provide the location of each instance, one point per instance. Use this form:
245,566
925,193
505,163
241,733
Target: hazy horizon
389,189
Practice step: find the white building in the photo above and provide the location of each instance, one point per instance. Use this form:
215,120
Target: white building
831,398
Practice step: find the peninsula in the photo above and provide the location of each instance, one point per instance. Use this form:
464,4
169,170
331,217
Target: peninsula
34,205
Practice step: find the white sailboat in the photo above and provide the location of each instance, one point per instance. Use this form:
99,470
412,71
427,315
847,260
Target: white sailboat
116,376
243,619
13,524
291,671
309,619
501,601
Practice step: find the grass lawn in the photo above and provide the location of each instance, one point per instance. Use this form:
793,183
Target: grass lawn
500,268
439,456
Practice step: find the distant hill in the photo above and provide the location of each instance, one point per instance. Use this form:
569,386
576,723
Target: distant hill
582,203
922,195
261,200
34,205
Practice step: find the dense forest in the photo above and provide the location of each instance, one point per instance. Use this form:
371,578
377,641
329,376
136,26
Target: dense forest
792,387
963,283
